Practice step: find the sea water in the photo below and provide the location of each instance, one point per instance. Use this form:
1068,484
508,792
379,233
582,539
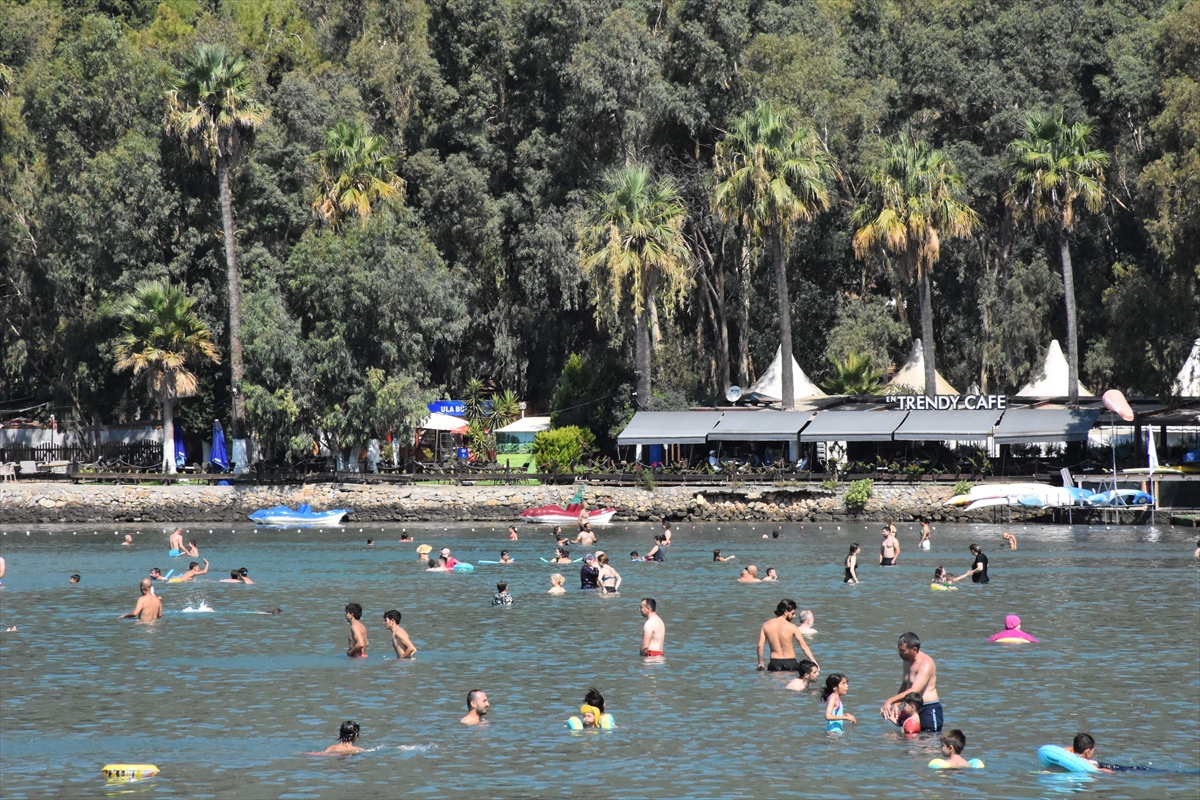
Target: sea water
229,703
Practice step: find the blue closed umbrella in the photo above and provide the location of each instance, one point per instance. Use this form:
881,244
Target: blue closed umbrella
219,459
180,451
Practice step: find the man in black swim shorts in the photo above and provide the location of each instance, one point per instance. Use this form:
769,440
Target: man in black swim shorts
779,633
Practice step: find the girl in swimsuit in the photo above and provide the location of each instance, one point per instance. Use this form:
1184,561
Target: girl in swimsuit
836,687
851,563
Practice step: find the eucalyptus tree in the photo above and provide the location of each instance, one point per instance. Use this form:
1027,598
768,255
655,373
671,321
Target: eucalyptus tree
213,113
161,339
1053,168
356,174
771,176
632,249
913,204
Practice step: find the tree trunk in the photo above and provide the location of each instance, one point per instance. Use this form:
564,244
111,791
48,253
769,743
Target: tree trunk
744,315
168,421
722,330
1064,249
926,298
642,358
785,323
655,330
235,302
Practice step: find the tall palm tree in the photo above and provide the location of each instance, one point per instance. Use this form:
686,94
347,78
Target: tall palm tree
161,338
632,250
1054,166
912,206
211,111
771,175
356,174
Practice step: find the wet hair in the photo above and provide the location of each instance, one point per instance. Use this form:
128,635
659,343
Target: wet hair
393,615
503,553
1082,743
233,573
775,533
557,579
566,553
633,554
349,731
770,570
831,684
805,667
785,605
75,579
806,617
594,698
974,548
354,610
193,565
913,699
473,697
192,542
956,740
910,640
602,558
853,547
716,555
939,573
154,570
243,571
512,527
370,541
651,602
501,586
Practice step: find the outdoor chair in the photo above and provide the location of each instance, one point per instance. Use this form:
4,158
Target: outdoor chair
29,468
8,471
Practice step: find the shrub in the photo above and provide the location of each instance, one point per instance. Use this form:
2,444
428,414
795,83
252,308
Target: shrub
562,447
829,484
858,494
963,487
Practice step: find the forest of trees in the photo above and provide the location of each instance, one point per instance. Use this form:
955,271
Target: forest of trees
424,192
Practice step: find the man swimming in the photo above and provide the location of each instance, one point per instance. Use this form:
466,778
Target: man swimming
128,541
149,607
806,622
357,640
347,736
586,536
920,676
176,541
477,707
889,551
241,575
193,570
806,675
156,574
771,575
1012,541
779,632
400,642
749,574
654,632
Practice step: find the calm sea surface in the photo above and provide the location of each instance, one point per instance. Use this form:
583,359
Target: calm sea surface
228,703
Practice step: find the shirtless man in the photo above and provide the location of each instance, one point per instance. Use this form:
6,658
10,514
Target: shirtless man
128,540
806,622
889,551
654,632
357,640
193,570
149,607
176,540
156,574
477,707
586,536
238,576
400,641
749,575
1012,540
779,632
920,676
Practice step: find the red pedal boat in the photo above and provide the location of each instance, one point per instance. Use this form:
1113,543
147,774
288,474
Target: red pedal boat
557,515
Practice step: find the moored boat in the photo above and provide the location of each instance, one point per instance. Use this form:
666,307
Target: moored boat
302,516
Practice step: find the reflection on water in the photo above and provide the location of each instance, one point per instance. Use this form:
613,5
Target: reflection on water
228,702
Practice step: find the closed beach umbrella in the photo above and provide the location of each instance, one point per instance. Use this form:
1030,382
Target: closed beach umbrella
219,459
180,451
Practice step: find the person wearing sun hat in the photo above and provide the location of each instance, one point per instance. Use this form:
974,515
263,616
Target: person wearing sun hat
450,560
423,551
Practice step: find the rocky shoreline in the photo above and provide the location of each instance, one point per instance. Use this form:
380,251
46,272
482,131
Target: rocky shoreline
34,502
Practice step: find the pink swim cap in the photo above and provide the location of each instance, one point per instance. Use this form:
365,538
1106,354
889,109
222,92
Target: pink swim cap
1012,621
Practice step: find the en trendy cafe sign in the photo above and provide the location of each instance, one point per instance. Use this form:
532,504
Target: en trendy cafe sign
950,402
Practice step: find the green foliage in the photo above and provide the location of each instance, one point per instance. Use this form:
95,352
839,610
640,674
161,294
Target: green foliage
853,376
858,494
589,394
963,487
561,448
829,485
356,174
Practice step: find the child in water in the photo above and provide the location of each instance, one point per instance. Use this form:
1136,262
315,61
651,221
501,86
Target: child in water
347,735
908,713
942,580
953,744
836,687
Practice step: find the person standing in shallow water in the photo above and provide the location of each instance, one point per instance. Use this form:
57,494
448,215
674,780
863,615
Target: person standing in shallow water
149,607
852,564
779,633
477,707
654,632
979,567
357,641
920,676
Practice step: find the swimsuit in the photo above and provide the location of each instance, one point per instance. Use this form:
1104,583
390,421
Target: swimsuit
835,724
932,716
924,544
658,555
849,577
782,665
888,562
653,653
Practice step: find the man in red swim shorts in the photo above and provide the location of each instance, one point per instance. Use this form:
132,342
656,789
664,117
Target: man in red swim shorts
654,632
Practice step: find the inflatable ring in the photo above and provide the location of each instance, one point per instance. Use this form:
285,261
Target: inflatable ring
1010,640
606,723
941,763
941,587
463,566
1051,755
133,771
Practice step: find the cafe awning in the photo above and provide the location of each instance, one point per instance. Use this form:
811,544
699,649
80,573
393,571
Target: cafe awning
669,427
760,426
1033,425
946,426
853,426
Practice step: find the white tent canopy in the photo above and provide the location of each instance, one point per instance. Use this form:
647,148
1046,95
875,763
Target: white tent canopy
912,374
526,425
443,422
1187,382
1052,381
770,386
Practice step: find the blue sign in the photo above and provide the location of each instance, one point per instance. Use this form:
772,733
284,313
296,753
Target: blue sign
455,408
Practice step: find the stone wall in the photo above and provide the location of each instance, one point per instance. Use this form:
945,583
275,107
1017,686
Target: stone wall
29,501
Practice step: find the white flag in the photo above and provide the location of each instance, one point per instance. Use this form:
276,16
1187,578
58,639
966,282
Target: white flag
1151,451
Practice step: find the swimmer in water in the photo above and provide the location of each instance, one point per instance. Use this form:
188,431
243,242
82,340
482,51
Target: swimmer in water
556,584
836,687
272,611
634,556
656,553
1012,540
175,542
610,579
238,576
370,542
512,532
749,574
423,552
149,607
942,578
1084,746
718,557
1197,553
924,543
806,622
771,575
666,534
400,642
654,632
191,549
778,633
953,743
505,558
586,537
920,676
889,550
357,640
908,713
404,537
75,579
502,597
347,736
806,674
561,556
852,564
128,541
477,708
593,705
156,574
193,570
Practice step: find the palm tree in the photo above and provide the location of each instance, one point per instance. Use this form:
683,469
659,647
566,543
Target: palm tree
854,375
211,111
771,175
913,204
356,174
632,250
1053,166
162,337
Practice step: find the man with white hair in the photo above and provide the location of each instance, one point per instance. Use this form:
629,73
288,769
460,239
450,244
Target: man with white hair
806,623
